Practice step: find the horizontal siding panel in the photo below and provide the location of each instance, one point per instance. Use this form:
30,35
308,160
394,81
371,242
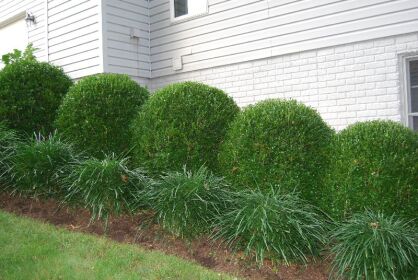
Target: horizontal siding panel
258,54
304,46
58,54
294,37
76,57
346,27
140,4
157,9
11,7
334,24
128,10
257,21
351,37
219,27
84,71
76,27
76,43
75,66
63,7
124,54
74,13
166,27
115,19
133,72
129,63
52,4
124,46
234,4
71,21
126,38
73,37
131,56
87,30
251,29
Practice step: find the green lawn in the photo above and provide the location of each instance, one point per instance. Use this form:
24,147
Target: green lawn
33,250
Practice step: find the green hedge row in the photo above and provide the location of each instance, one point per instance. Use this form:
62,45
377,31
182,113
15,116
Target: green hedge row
265,224
278,157
276,144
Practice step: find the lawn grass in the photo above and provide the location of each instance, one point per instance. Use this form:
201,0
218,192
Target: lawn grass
34,250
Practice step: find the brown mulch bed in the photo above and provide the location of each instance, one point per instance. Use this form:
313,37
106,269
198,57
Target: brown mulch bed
135,230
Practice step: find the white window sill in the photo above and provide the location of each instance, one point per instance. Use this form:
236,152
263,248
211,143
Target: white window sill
184,18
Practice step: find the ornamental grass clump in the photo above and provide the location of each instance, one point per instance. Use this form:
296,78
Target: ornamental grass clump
8,143
97,112
38,166
374,164
271,225
182,124
30,94
278,142
373,246
104,187
186,203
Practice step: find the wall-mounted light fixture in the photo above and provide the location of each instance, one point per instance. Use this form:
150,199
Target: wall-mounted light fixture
30,18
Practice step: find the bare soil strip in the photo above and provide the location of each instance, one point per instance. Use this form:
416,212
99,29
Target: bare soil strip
138,230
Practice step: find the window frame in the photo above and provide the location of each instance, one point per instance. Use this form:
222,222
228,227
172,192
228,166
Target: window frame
187,16
407,82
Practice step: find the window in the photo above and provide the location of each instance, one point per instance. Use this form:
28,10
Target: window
412,84
181,9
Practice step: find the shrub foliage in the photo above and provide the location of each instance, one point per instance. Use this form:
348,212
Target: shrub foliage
97,112
186,203
18,55
278,142
104,187
374,165
280,227
182,124
39,165
373,246
30,94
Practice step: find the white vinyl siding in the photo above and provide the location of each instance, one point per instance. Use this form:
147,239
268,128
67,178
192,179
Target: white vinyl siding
234,31
74,36
126,38
66,33
35,33
347,83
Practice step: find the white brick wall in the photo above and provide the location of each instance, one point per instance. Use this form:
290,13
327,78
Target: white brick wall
345,84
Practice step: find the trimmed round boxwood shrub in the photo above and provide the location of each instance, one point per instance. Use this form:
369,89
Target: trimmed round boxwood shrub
373,246
97,112
278,142
182,124
30,94
39,166
374,165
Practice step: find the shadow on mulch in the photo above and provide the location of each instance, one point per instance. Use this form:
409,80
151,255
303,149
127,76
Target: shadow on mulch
126,229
